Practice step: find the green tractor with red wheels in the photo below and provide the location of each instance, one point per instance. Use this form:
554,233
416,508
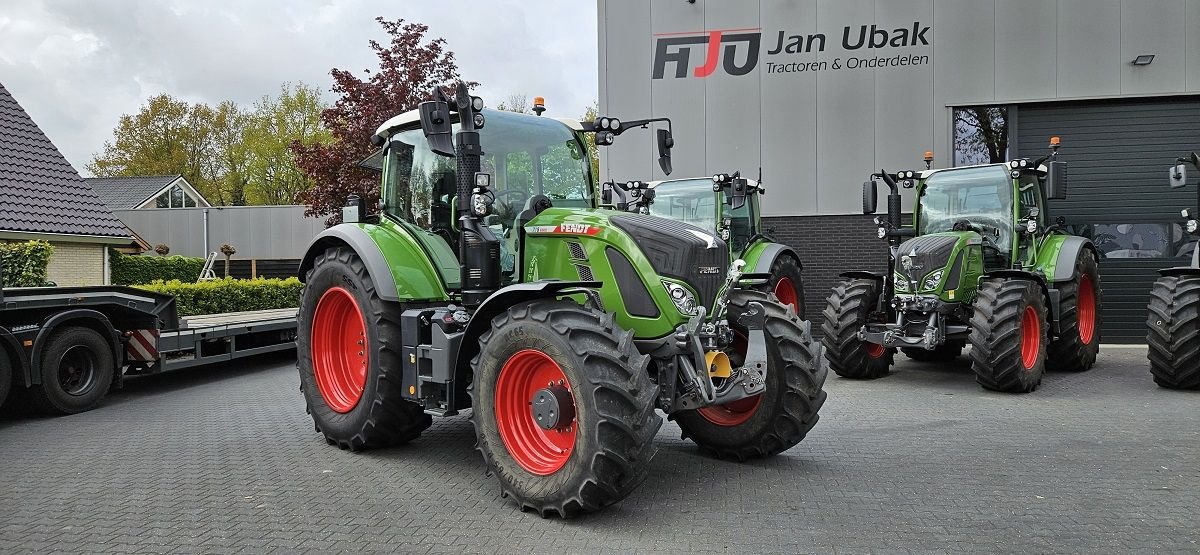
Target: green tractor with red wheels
492,281
1173,324
981,266
727,204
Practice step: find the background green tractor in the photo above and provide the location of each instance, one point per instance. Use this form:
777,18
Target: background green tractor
492,281
1174,313
727,204
979,265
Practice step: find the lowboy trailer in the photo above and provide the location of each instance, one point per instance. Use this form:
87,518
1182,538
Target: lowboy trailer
63,348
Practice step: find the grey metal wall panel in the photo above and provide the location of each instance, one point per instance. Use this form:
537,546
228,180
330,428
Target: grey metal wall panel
901,135
1191,56
1117,153
1152,27
789,119
732,102
627,94
1089,48
964,51
255,231
1026,46
678,97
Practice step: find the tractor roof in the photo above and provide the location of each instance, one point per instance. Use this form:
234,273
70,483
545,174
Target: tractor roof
654,184
412,118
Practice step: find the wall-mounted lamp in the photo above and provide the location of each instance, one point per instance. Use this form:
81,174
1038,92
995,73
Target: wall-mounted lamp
1143,60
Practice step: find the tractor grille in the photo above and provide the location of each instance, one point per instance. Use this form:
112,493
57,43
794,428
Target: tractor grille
681,251
927,253
585,272
577,251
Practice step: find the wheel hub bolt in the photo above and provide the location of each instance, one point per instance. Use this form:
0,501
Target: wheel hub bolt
552,407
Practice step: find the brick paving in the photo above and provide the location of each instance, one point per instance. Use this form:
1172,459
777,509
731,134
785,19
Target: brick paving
923,461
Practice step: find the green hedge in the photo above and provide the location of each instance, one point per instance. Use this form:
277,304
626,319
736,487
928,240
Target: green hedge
230,295
25,263
136,270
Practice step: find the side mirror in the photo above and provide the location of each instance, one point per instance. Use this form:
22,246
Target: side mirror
1056,180
435,124
737,193
355,210
1178,176
665,142
606,193
870,197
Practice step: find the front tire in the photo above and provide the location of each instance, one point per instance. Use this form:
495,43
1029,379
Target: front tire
349,357
1008,335
1173,332
563,407
77,369
851,302
780,417
1075,349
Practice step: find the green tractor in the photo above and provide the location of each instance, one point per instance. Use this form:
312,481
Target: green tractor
491,280
727,204
981,266
1174,313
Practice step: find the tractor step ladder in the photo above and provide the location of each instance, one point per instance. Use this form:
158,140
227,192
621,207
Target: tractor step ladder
207,273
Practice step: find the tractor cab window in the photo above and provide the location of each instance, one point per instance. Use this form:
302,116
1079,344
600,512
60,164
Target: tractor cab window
1030,192
690,201
980,197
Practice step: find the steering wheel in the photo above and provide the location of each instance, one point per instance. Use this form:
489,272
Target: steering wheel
522,196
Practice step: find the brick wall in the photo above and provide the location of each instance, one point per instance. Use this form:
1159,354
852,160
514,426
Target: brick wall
827,246
75,264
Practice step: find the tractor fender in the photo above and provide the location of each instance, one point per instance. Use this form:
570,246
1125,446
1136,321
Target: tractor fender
405,259
863,274
498,302
10,347
80,317
1068,252
1050,294
1185,271
766,255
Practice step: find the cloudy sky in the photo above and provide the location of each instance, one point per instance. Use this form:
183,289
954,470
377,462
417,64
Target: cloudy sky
78,65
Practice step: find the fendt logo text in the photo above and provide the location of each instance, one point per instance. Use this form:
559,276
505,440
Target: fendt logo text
737,51
677,48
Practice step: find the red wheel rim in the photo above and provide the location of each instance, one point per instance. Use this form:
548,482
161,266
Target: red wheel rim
1087,310
537,450
786,292
735,412
1031,337
339,350
875,350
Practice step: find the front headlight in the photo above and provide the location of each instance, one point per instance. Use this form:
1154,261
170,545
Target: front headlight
1192,226
901,283
683,299
932,280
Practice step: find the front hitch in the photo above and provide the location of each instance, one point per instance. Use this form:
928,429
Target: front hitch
747,380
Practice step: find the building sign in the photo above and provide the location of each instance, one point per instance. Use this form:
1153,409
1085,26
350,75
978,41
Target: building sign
739,51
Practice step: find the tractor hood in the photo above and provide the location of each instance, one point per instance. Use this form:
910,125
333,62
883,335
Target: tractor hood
925,263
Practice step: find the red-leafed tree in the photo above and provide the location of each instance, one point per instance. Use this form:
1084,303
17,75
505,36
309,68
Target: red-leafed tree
410,68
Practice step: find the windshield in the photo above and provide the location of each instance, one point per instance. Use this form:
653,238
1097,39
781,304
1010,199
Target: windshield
688,200
979,195
526,155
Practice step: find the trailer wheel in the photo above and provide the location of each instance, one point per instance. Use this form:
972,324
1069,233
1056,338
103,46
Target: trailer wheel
845,314
563,407
348,355
1173,332
1075,349
1008,335
6,375
787,284
781,416
76,369
945,352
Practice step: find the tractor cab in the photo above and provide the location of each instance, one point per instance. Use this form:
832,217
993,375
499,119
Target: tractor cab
725,203
535,164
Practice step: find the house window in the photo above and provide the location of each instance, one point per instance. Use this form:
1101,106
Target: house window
980,135
175,197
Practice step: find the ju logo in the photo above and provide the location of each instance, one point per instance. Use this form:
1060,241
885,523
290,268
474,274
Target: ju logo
733,50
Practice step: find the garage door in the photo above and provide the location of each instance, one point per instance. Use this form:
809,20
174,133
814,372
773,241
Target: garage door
1118,153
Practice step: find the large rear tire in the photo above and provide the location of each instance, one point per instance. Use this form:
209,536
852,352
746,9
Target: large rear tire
6,375
945,352
349,357
845,314
77,369
1173,332
787,284
1075,349
1008,335
563,407
780,417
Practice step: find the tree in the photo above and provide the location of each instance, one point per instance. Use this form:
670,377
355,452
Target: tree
514,103
589,139
980,135
410,66
293,117
233,156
